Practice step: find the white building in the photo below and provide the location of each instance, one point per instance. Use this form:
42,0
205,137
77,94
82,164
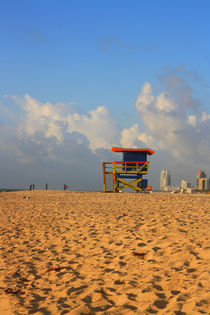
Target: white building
171,188
165,179
185,184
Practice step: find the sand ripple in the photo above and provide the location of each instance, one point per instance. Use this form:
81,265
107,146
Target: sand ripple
95,253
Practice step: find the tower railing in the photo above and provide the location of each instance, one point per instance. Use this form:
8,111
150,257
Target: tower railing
113,173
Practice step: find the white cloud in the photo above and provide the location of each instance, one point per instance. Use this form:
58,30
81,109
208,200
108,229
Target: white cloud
164,102
133,138
129,136
55,120
145,98
168,125
148,140
98,126
56,143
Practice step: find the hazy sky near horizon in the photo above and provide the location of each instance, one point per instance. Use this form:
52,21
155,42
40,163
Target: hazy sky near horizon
78,77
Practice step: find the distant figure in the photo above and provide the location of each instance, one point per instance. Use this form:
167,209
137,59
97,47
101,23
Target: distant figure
30,187
33,186
65,187
46,186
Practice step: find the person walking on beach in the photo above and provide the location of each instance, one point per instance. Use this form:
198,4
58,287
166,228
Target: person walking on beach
65,187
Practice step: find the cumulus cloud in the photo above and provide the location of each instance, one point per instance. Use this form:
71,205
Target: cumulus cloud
57,143
133,138
98,126
173,121
129,136
58,119
40,159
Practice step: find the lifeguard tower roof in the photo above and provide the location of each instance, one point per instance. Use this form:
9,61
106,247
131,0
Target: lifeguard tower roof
147,151
133,154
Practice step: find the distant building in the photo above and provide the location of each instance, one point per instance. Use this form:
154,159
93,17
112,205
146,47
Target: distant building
202,183
200,174
165,179
171,188
207,184
185,184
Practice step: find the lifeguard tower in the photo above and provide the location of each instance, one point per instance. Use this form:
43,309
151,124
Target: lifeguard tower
118,175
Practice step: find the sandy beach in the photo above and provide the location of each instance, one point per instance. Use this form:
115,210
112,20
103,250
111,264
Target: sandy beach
66,252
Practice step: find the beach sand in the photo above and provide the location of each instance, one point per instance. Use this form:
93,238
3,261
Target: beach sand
96,253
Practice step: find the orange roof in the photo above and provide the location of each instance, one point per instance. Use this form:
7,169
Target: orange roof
115,149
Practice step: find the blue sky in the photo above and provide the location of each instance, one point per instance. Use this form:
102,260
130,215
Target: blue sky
101,53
